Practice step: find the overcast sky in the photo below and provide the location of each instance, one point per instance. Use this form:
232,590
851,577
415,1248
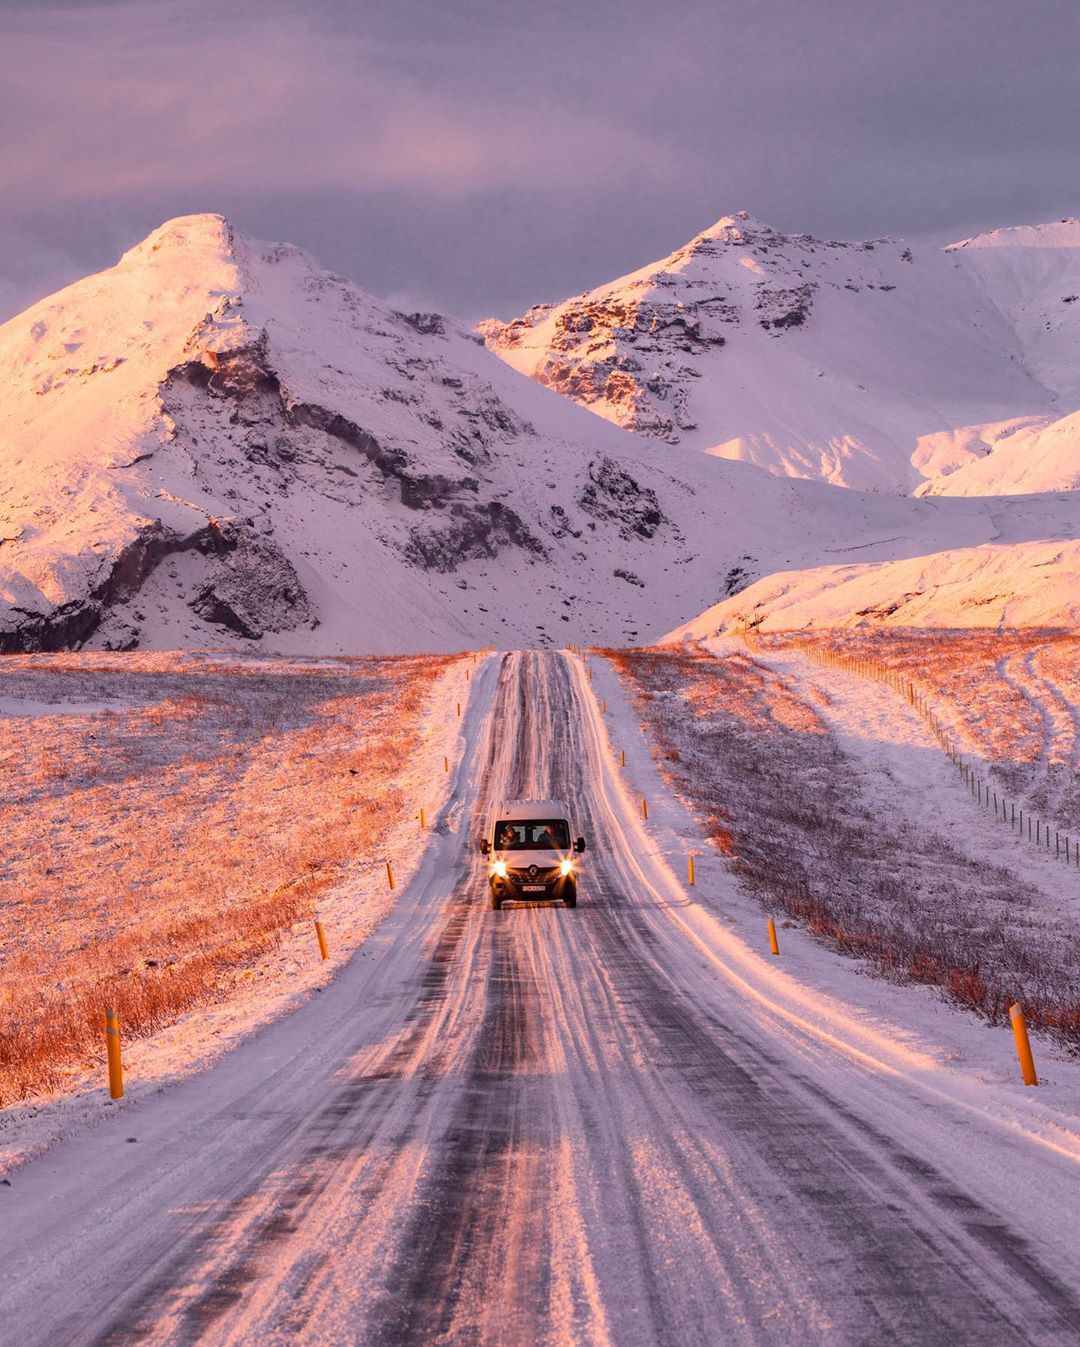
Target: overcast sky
478,156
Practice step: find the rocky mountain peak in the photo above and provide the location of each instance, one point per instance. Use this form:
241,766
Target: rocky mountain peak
740,230
873,364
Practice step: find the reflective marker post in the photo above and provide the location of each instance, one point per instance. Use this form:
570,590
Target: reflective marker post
112,1051
1023,1044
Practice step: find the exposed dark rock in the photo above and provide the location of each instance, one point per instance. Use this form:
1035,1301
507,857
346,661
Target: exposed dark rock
238,373
471,531
72,623
739,577
883,610
430,324
418,490
560,524
785,307
612,494
254,589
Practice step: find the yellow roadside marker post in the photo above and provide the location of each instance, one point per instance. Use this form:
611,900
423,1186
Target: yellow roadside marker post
323,951
1023,1044
774,944
390,874
112,1052
644,808
421,818
690,869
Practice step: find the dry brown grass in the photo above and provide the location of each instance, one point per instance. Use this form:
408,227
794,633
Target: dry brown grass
155,847
782,803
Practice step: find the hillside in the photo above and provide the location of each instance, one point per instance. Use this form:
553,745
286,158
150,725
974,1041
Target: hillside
876,365
1002,585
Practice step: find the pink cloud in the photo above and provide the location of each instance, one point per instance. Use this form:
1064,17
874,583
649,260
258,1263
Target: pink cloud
163,103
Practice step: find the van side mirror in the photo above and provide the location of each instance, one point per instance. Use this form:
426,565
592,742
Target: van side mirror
579,845
485,846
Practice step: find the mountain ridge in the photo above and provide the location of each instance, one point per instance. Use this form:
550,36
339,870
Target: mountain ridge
878,365
215,442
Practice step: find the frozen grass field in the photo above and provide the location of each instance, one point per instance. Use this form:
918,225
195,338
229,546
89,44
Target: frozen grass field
166,818
756,754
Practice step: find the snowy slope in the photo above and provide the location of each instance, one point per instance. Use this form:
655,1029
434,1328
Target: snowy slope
1032,274
875,365
1001,584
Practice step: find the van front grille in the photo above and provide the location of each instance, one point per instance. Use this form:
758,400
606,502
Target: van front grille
542,876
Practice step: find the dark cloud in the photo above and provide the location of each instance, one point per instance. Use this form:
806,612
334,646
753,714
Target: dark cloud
479,156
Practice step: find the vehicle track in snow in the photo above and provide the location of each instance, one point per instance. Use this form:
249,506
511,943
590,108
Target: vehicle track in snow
1056,792
527,1126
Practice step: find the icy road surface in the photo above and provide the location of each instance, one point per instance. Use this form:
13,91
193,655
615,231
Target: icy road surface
533,1126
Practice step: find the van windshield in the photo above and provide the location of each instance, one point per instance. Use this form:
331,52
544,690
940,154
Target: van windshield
519,834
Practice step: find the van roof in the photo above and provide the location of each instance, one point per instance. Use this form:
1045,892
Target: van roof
533,809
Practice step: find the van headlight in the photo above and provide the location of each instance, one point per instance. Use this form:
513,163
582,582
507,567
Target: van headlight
499,868
566,867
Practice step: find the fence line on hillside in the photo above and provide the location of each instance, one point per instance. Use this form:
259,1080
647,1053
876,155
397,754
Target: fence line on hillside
1005,811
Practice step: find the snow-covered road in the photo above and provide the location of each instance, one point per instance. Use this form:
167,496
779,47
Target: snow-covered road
533,1126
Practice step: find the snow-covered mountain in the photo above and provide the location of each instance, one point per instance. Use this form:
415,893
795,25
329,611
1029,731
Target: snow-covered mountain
214,441
877,365
214,437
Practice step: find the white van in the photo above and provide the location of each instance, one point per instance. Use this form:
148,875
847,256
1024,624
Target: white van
531,854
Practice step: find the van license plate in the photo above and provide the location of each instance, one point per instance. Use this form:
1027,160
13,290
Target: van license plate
533,888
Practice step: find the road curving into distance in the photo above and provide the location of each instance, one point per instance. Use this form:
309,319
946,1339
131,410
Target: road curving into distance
531,1126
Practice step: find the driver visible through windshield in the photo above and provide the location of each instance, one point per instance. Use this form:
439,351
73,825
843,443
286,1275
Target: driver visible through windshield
532,835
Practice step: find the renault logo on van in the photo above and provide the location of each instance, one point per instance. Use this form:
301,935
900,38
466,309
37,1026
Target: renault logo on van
533,872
